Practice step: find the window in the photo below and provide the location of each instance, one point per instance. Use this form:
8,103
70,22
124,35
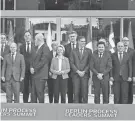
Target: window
7,4
1,4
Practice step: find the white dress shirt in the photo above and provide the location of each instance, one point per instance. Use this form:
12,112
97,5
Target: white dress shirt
3,47
54,53
60,63
100,54
73,45
121,55
29,46
126,49
81,51
13,55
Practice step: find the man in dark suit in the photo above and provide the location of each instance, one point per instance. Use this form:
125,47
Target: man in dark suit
101,64
68,49
134,67
121,74
5,49
39,69
13,71
52,54
27,49
79,60
130,52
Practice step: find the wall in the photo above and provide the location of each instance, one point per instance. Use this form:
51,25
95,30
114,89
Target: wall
27,4
20,28
115,4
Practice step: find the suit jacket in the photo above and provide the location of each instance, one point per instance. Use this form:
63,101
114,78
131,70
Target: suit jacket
55,66
27,57
131,52
40,62
125,67
68,50
50,57
17,69
78,63
103,65
50,60
134,64
6,51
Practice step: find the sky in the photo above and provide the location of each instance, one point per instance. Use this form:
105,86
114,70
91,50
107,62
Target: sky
76,20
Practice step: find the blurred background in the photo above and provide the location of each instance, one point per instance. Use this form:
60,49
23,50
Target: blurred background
68,5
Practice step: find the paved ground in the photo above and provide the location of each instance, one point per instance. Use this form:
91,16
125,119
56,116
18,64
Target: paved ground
90,99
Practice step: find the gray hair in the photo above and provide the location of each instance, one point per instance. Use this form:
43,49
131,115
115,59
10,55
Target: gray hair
40,36
54,43
61,47
120,43
125,38
13,43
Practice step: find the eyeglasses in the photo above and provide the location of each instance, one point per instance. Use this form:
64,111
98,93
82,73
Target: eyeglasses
3,38
72,36
83,41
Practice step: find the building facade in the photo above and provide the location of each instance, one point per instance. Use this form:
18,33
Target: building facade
67,4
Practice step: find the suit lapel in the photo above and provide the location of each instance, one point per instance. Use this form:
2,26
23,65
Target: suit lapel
16,57
116,54
25,47
51,54
32,47
97,56
84,53
103,56
38,51
124,55
78,53
9,57
128,50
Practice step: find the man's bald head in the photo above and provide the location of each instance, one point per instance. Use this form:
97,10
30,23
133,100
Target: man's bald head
39,38
120,46
125,40
13,47
13,44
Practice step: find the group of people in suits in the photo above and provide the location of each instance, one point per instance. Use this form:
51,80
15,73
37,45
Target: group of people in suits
67,70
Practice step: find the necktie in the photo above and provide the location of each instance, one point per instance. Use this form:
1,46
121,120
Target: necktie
12,56
100,55
81,52
2,47
54,54
73,46
28,49
126,50
120,57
